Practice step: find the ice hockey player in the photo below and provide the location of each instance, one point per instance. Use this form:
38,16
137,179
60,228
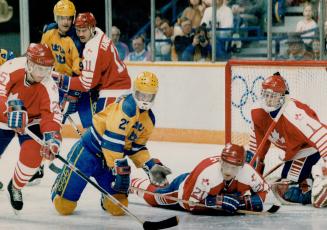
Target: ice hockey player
66,48
219,182
121,129
61,38
5,55
29,99
102,69
298,132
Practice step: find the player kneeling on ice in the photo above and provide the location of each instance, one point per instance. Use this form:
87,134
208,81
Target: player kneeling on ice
219,182
121,129
298,132
29,100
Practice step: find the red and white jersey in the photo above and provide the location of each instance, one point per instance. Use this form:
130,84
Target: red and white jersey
207,179
41,100
102,68
298,131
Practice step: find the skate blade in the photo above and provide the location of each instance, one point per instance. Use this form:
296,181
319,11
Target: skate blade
16,212
34,182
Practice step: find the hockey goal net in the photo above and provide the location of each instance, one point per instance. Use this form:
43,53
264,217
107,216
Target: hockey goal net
307,81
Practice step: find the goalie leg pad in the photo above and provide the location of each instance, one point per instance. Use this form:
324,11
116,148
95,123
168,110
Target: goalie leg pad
64,206
320,200
319,193
112,208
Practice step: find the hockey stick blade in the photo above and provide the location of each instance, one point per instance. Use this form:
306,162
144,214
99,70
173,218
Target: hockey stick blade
273,209
54,168
168,223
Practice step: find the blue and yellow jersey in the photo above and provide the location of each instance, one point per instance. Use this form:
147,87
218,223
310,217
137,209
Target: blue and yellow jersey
121,129
64,50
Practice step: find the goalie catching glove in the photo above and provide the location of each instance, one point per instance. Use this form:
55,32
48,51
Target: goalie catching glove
17,115
51,146
157,172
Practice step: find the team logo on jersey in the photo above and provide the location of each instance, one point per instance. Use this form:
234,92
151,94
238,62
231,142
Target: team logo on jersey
253,177
277,139
298,116
205,181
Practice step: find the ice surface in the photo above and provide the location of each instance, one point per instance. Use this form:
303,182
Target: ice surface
38,212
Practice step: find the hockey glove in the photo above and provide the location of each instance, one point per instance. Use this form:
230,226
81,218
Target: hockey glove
17,115
62,81
51,147
122,172
251,203
228,203
157,172
69,102
258,164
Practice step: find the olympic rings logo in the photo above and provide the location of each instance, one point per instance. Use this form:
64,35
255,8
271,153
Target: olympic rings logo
248,94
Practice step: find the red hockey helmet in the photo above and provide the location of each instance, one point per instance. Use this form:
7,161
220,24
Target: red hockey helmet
233,154
276,83
40,54
85,20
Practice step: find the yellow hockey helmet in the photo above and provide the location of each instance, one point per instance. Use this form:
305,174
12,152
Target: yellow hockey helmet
64,8
5,55
146,86
146,82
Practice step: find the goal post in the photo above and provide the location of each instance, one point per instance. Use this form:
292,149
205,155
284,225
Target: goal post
307,81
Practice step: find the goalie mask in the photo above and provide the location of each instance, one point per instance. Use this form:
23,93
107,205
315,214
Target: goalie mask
233,157
273,92
39,62
145,89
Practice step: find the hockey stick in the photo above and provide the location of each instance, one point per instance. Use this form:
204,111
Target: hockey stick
274,208
270,129
273,169
52,166
70,119
167,223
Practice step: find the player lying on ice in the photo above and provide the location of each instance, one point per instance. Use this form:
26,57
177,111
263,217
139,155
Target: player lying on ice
29,99
121,129
224,182
300,134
